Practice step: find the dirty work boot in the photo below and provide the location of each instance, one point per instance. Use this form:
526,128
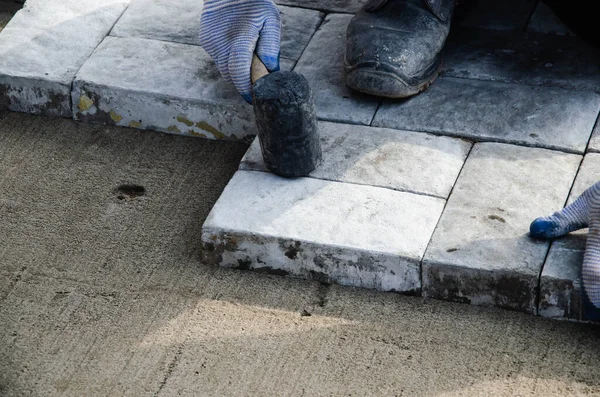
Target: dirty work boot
393,47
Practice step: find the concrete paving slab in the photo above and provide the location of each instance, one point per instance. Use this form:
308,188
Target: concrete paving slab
44,45
544,20
560,283
323,66
400,160
491,111
497,15
594,144
347,6
179,22
480,252
529,59
333,232
169,87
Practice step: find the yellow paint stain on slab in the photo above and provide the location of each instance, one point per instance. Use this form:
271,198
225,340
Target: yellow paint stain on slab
115,116
135,124
85,103
198,134
184,120
210,129
174,129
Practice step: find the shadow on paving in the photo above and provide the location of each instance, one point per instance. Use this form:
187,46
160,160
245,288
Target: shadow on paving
103,292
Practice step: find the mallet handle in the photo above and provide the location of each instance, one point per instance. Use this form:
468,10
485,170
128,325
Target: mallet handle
258,69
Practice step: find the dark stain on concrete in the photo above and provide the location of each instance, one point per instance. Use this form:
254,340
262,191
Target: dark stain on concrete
293,250
497,218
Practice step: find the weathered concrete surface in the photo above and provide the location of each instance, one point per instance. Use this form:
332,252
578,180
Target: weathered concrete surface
333,232
134,312
323,65
348,6
594,144
529,59
401,160
560,284
480,252
496,15
491,111
44,45
179,22
544,20
169,87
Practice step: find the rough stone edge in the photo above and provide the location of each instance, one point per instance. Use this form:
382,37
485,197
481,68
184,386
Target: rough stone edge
89,105
560,299
480,287
308,260
35,95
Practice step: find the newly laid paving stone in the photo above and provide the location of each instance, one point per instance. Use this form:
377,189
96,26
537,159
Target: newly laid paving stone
497,15
168,87
44,45
490,111
323,65
400,160
480,252
348,6
530,59
329,231
180,22
594,144
544,20
560,284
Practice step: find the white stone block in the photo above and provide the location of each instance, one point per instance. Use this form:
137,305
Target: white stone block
323,65
43,47
334,232
400,160
480,252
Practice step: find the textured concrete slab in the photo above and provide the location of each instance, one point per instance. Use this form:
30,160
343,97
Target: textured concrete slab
560,283
594,144
400,160
529,59
44,45
162,86
497,15
544,20
323,65
333,232
179,22
348,6
480,252
489,111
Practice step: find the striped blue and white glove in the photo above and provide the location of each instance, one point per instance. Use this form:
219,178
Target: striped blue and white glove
232,30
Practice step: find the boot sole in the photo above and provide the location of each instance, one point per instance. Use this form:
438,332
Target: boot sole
385,84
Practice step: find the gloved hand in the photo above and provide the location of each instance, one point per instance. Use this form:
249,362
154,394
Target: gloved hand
232,30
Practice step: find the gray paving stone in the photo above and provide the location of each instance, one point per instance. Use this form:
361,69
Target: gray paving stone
491,111
329,231
179,22
168,87
44,45
323,65
480,252
497,15
348,6
594,144
544,20
560,283
529,59
401,160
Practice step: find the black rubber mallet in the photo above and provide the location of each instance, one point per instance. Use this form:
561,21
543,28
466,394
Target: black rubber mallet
284,106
